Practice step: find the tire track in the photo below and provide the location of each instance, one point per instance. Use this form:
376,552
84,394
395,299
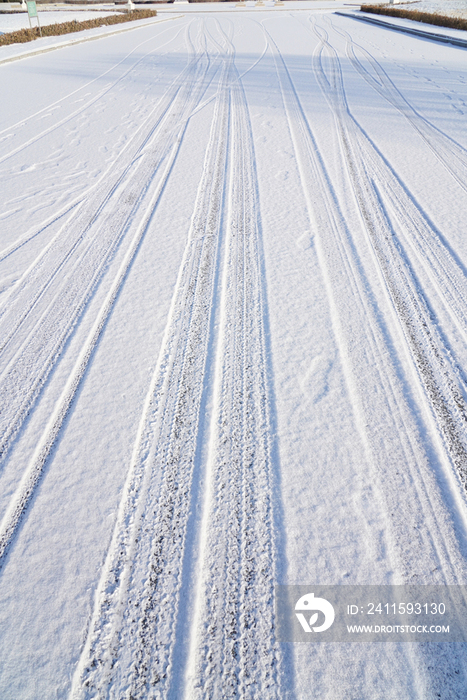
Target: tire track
54,105
234,651
102,192
82,108
34,471
416,537
367,172
424,240
421,544
131,640
23,240
36,231
54,292
449,153
431,249
77,227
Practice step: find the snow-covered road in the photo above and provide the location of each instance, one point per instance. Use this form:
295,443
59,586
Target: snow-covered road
233,352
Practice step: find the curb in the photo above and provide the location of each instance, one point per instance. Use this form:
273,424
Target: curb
408,30
62,45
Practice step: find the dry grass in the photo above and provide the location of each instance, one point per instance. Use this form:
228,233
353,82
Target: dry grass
24,35
426,17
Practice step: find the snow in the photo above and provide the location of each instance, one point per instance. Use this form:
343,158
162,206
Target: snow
456,8
233,305
13,22
15,52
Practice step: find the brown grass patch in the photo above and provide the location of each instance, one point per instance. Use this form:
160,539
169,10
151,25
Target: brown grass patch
426,17
23,35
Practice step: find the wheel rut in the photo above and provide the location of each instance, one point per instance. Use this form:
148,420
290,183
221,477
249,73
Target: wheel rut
24,376
234,651
138,596
132,644
47,303
375,382
370,177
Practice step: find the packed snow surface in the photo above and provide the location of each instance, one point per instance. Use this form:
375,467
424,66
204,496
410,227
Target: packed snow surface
233,352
